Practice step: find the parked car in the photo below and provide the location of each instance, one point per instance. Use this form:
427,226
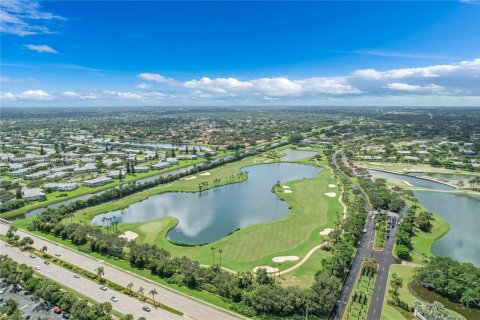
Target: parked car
114,299
46,262
76,276
32,256
65,315
145,308
36,268
57,310
103,287
57,254
2,290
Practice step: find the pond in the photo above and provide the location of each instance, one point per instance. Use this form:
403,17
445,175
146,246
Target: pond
463,214
293,155
424,294
444,176
210,215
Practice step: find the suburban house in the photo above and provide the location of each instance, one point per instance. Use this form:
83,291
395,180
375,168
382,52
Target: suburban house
21,172
99,181
57,176
160,165
37,175
33,194
88,167
141,169
60,186
172,161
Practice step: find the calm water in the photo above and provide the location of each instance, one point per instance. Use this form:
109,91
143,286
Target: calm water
210,215
420,183
462,242
292,154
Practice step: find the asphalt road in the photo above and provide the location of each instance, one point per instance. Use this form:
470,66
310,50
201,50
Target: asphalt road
86,286
384,259
191,308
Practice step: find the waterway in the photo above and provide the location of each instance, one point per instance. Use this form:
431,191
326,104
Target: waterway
462,242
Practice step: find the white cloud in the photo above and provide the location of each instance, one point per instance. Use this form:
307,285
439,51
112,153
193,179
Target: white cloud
28,95
42,48
409,87
24,17
155,77
143,86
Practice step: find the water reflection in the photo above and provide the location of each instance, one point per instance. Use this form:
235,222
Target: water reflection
212,214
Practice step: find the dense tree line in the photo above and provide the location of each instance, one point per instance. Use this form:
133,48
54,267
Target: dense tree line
250,294
459,282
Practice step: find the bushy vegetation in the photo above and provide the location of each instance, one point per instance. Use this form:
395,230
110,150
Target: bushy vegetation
48,291
459,282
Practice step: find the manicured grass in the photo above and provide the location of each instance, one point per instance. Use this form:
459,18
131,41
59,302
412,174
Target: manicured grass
257,244
380,234
305,275
406,274
364,285
423,241
403,167
83,190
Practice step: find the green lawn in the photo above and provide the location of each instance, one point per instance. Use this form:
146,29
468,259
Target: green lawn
83,190
311,212
256,244
423,241
305,275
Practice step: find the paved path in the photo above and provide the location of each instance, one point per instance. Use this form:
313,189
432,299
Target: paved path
192,308
87,287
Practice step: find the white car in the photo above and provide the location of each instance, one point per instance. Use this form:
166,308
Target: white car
32,256
36,268
104,288
114,299
76,276
57,254
2,290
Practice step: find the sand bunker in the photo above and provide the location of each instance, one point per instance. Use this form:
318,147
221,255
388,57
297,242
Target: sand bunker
287,191
285,187
285,258
330,194
191,178
129,235
326,231
267,268
205,174
332,186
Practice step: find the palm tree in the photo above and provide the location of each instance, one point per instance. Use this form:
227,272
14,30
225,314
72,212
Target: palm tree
141,292
460,184
213,255
100,272
130,286
153,292
220,254
44,249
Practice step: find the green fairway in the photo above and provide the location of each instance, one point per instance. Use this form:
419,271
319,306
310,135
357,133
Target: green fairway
294,234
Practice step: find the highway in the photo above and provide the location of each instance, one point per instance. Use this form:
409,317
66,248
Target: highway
192,308
87,287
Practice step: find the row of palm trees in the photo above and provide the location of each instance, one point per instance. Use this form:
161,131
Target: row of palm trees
141,291
474,183
220,251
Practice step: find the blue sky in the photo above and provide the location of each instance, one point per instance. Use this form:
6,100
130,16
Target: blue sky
69,53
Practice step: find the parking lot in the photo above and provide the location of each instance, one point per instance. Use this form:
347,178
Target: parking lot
28,307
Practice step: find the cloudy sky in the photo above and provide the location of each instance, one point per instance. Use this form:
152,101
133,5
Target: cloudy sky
68,53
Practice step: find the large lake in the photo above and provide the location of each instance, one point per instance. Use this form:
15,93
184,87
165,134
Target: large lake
212,214
462,242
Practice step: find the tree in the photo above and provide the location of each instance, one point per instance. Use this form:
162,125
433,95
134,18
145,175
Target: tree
213,255
18,192
141,292
220,254
396,283
402,251
130,286
44,249
100,272
153,292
